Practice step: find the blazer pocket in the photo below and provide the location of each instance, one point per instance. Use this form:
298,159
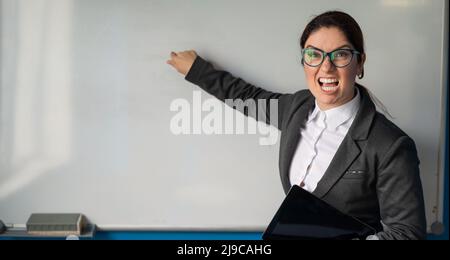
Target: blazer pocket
354,174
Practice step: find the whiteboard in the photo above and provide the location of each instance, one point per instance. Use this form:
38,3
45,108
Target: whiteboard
86,94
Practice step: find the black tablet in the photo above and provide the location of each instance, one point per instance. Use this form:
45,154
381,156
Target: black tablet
304,216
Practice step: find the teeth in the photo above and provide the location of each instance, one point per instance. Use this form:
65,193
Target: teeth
327,80
329,88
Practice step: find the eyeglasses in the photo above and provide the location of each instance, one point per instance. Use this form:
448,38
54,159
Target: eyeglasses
340,58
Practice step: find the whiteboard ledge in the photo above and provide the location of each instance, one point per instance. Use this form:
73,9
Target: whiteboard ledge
180,229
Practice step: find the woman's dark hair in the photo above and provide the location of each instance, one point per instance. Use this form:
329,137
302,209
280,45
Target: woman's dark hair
352,31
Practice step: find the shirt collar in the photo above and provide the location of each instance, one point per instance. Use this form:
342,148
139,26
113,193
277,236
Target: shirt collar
338,115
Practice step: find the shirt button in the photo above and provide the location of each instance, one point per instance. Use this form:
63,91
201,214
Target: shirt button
302,184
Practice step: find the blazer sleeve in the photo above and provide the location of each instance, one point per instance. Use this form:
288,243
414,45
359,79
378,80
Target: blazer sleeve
224,86
400,194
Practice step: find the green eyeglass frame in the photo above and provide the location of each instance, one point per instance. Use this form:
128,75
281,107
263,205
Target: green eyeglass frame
331,55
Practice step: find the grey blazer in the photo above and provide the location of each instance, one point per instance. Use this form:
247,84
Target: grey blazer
374,174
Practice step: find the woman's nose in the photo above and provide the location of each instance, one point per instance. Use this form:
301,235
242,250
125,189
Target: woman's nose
327,65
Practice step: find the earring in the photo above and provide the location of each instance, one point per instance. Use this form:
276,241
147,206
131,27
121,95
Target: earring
360,76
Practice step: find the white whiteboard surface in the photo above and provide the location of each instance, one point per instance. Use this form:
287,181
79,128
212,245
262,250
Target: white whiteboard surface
85,97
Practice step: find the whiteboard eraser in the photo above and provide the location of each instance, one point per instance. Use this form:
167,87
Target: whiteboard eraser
56,224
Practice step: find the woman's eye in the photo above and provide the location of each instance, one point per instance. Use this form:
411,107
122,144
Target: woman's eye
313,54
341,54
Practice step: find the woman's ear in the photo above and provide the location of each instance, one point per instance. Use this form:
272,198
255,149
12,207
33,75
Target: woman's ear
361,66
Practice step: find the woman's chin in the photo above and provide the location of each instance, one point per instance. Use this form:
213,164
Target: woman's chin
326,102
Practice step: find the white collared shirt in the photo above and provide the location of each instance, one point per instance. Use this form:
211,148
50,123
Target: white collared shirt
320,139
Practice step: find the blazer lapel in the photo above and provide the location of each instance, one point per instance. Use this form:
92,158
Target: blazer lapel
348,151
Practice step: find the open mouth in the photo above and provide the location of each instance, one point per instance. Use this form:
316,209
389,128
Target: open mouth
328,84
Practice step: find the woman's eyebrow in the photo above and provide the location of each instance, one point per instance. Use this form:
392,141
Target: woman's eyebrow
311,46
343,46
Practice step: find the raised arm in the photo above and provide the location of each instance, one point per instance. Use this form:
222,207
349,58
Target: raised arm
225,86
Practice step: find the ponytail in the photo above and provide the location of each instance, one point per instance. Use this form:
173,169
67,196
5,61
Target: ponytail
378,104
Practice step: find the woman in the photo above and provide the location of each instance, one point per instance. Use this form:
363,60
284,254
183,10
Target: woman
333,141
